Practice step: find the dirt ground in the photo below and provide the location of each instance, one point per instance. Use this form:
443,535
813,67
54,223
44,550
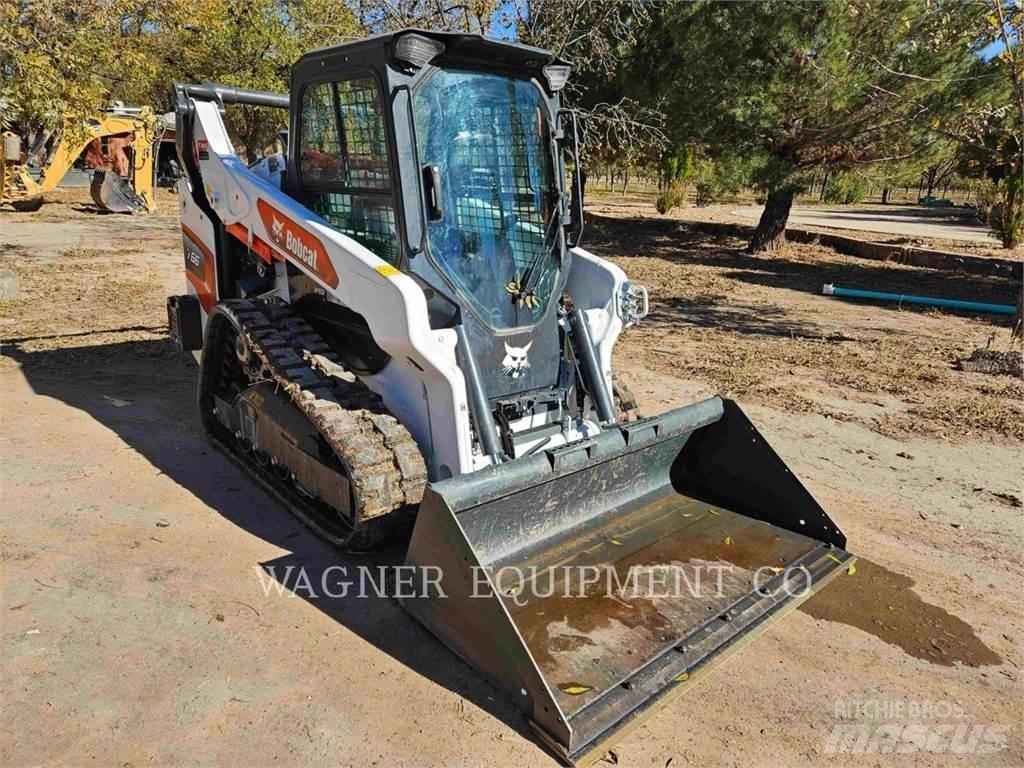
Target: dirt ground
641,205
136,630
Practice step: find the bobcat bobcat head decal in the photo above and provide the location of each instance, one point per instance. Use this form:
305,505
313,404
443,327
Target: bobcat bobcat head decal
515,361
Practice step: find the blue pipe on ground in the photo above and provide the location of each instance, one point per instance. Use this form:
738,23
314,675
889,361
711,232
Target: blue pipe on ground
972,306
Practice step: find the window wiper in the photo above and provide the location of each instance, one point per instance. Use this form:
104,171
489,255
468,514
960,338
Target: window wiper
523,291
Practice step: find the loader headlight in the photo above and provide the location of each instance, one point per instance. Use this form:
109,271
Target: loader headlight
557,75
417,50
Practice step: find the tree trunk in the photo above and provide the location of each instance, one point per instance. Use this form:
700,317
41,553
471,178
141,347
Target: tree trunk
770,234
885,196
824,183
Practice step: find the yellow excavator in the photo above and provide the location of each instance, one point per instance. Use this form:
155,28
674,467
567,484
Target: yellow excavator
111,191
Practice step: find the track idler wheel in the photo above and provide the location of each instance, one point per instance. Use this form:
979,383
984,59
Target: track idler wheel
252,364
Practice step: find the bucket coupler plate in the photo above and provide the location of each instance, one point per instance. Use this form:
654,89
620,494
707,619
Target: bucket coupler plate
593,581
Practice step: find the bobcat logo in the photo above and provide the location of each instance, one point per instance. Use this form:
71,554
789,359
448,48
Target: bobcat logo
277,229
515,362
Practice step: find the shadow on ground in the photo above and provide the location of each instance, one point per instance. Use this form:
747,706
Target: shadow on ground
144,391
722,314
677,242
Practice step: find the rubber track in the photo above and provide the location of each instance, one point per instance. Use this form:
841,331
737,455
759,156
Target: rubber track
383,462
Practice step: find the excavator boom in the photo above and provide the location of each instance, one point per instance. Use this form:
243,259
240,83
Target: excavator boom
130,193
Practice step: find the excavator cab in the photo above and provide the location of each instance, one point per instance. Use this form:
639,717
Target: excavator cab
592,565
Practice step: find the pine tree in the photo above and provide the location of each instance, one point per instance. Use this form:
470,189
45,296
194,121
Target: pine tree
801,86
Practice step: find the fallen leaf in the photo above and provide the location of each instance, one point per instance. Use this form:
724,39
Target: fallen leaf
574,689
833,557
851,570
682,677
161,523
727,541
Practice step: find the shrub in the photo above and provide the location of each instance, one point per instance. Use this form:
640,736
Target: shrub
720,180
845,189
674,197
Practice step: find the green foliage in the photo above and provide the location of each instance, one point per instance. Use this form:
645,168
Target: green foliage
798,86
675,171
722,179
845,189
61,60
988,124
67,59
676,166
671,198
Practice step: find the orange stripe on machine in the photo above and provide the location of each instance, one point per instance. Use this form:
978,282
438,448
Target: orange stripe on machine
199,267
298,243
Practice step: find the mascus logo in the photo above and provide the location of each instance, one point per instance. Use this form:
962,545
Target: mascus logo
298,243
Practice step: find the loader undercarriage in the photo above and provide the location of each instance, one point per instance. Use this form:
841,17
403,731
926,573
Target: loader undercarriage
271,396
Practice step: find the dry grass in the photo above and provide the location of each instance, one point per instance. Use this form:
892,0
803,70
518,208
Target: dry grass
81,292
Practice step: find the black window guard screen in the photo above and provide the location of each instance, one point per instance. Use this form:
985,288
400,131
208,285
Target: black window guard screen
343,163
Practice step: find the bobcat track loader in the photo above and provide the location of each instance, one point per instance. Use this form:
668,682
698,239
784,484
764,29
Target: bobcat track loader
397,328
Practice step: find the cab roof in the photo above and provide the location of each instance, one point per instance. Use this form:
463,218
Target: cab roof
459,48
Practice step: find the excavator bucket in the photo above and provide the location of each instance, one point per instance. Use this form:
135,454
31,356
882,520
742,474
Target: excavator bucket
593,582
114,193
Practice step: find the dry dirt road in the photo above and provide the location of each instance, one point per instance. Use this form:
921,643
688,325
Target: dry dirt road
909,220
135,626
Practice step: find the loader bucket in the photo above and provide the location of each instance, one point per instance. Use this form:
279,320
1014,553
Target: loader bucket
594,581
114,193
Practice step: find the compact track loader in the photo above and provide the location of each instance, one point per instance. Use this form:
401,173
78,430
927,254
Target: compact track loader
397,328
